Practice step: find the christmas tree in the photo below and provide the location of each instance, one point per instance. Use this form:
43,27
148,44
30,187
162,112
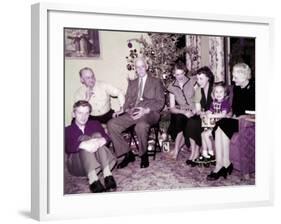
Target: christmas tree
162,51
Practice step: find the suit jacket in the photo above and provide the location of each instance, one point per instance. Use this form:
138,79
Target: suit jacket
153,94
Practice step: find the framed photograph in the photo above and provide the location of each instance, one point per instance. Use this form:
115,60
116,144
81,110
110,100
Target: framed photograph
81,43
66,40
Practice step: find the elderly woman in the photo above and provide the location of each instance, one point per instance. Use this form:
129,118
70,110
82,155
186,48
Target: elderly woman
182,107
202,99
243,99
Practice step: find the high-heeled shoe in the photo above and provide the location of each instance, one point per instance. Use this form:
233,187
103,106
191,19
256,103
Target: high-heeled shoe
215,176
229,169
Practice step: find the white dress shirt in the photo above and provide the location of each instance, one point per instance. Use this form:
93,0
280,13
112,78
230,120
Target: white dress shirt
100,100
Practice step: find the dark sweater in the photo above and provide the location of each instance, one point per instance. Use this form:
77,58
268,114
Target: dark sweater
243,99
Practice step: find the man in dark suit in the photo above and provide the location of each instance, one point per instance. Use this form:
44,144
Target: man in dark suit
143,102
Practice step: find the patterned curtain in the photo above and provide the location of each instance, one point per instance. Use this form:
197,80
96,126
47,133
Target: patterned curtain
216,58
193,55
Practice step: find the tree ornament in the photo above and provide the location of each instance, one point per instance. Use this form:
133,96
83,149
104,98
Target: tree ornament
129,67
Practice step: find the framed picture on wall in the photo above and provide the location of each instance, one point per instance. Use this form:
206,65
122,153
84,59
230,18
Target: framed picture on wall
60,36
81,43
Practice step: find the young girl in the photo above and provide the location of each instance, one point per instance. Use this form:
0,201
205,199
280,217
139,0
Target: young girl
219,108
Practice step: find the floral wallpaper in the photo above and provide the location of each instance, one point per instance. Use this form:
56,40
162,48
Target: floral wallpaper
193,55
216,58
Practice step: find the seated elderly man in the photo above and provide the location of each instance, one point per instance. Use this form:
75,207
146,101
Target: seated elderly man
143,102
85,146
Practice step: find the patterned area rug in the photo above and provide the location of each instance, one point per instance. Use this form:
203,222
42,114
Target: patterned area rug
163,173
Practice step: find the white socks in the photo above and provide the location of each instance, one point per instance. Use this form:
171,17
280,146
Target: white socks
92,176
205,154
211,153
106,171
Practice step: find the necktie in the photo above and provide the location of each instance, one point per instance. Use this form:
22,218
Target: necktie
140,91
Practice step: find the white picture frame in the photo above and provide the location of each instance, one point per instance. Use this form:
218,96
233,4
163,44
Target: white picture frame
48,201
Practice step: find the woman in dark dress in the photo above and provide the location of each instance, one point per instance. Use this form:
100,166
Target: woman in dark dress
202,99
243,99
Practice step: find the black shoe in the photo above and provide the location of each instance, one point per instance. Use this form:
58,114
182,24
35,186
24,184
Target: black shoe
129,157
97,187
202,159
212,158
221,173
193,164
229,169
144,161
190,163
109,183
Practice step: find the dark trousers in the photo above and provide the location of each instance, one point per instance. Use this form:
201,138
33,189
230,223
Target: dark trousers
117,125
